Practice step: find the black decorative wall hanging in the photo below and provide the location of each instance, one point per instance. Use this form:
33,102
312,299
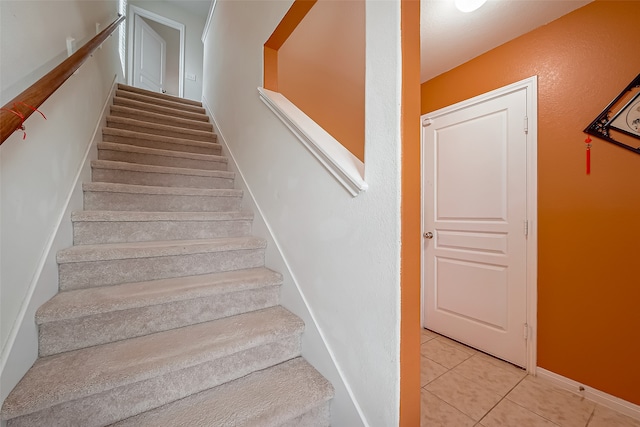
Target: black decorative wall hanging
619,122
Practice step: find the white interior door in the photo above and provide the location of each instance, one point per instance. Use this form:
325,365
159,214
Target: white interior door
475,207
149,57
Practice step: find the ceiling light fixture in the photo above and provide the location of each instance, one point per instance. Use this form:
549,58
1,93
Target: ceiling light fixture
468,5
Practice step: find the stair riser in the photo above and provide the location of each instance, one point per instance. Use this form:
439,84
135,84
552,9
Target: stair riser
317,417
161,145
78,275
162,120
159,101
208,137
155,160
57,337
152,108
102,200
157,95
123,402
94,232
160,179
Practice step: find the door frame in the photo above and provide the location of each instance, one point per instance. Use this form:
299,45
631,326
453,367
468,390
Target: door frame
135,10
531,86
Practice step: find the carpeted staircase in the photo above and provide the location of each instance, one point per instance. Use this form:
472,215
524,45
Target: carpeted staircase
166,314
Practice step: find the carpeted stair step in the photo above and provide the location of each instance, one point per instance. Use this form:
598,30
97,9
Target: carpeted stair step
156,157
139,139
88,266
109,196
95,227
159,176
88,317
123,123
159,109
291,394
158,95
163,119
170,103
100,385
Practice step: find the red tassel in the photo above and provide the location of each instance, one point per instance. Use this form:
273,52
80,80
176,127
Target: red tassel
588,142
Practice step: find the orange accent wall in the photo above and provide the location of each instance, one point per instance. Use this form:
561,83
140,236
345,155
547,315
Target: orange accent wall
321,69
410,218
589,226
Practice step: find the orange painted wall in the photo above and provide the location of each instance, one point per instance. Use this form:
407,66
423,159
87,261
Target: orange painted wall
410,218
589,226
321,69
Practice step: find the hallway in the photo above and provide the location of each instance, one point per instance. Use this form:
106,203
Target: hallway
463,387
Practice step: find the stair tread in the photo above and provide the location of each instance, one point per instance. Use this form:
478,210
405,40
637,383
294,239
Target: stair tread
147,189
158,101
267,398
158,138
92,301
156,248
128,88
165,118
132,216
141,167
158,152
79,373
156,126
161,109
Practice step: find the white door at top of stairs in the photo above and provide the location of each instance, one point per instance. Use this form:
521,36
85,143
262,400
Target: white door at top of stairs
475,219
149,57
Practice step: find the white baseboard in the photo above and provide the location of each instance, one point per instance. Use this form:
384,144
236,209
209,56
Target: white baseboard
627,408
21,349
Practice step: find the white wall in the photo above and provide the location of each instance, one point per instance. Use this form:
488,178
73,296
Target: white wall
343,252
37,175
193,44
172,65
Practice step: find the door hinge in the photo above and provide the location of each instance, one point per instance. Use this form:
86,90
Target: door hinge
526,227
526,124
525,331
426,122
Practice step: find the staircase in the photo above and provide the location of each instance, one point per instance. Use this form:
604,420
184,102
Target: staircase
166,314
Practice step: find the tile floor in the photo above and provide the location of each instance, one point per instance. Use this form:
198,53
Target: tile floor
462,387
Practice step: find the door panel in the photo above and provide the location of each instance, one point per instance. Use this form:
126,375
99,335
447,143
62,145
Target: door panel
149,57
474,173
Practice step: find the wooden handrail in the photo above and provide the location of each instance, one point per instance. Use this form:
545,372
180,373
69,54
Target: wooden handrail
37,93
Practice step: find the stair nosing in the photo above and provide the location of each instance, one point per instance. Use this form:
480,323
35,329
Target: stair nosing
189,288
88,385
156,249
167,127
124,133
167,111
166,170
115,146
142,216
160,116
112,187
134,89
151,99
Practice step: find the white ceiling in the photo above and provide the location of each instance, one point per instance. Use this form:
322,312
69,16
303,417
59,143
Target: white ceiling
450,37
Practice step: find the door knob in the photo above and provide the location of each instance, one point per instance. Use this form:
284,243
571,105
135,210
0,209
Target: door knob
428,235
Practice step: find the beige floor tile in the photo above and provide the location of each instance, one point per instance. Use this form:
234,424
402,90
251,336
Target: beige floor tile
426,335
437,413
429,371
605,417
496,361
457,345
509,414
464,395
560,406
443,353
499,379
